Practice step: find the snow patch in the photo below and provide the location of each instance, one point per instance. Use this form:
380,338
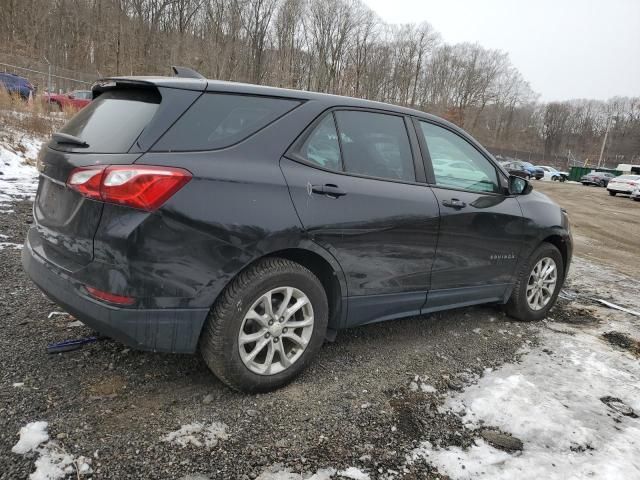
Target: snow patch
198,434
419,385
53,462
10,245
18,180
354,474
553,403
31,436
52,465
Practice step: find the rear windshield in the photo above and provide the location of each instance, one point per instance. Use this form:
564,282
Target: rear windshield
220,120
113,122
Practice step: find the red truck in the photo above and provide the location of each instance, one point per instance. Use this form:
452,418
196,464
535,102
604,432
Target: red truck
76,99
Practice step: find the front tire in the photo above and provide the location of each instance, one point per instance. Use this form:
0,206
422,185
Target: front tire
266,326
612,193
538,284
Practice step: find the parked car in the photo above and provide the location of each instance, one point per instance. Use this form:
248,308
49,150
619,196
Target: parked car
551,173
534,172
599,179
251,223
623,184
16,85
636,194
519,169
76,99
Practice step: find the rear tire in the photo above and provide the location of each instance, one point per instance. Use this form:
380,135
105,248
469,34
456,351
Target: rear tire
242,311
523,304
612,193
602,184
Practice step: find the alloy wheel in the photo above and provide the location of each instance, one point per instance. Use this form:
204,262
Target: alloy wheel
542,283
276,330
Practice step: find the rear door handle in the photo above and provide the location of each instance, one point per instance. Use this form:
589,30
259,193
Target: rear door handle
328,189
454,203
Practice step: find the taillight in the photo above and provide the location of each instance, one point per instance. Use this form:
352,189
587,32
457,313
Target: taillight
138,186
87,181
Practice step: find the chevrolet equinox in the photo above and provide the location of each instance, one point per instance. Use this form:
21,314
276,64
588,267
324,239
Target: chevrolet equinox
249,223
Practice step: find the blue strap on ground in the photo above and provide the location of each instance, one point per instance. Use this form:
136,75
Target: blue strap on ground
68,345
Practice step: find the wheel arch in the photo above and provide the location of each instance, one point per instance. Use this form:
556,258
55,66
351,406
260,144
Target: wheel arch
320,262
328,272
560,243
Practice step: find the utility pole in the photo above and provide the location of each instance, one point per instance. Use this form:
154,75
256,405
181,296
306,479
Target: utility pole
48,74
604,141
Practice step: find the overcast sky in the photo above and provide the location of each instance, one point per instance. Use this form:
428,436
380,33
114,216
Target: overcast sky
564,48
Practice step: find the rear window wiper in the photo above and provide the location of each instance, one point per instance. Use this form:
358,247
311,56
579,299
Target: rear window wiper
62,138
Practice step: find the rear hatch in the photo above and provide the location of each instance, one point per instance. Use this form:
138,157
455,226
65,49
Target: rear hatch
123,121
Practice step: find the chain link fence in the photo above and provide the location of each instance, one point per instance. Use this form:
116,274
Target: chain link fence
45,76
561,162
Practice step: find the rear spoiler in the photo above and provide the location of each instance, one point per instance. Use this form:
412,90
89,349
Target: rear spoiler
192,82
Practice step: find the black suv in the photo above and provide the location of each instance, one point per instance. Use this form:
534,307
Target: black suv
251,223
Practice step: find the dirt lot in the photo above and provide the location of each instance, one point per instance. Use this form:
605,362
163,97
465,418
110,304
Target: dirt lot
353,407
606,229
369,401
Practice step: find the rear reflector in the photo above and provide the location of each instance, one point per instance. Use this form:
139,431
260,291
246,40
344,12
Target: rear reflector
137,186
109,297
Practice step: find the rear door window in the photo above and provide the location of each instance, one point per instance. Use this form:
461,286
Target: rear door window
375,144
220,120
113,122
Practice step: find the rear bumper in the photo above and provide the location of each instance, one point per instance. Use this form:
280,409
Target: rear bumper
160,330
624,190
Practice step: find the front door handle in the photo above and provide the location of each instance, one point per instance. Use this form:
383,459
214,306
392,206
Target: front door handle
328,189
454,203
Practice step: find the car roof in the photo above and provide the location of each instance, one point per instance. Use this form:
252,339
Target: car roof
202,84
14,75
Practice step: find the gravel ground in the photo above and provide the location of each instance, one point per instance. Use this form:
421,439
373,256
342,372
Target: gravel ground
368,400
605,229
355,407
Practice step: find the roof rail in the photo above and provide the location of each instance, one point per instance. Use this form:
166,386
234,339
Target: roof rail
185,72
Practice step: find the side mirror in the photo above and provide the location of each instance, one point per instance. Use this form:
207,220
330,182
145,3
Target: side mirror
519,185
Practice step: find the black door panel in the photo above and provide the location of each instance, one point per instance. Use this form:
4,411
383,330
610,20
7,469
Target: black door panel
383,233
479,242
